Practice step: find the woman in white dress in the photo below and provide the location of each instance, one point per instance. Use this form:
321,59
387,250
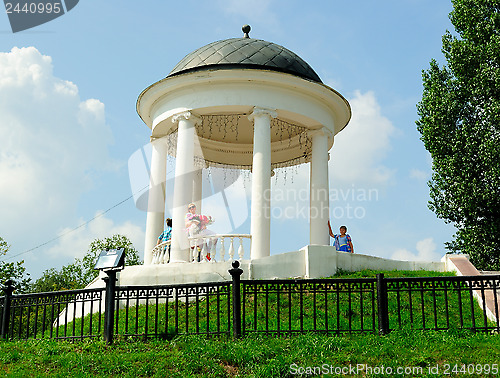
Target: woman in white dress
196,224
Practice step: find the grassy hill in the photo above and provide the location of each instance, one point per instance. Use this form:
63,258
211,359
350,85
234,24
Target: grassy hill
253,356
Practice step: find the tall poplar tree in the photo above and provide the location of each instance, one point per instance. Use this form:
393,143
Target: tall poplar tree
460,126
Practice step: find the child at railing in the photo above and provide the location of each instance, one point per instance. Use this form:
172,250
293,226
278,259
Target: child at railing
343,241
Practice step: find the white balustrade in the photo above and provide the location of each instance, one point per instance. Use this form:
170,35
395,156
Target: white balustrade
231,250
161,253
207,248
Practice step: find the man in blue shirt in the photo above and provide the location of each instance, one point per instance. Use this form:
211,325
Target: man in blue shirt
166,235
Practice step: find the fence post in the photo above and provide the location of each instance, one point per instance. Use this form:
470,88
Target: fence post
235,274
382,305
8,289
109,305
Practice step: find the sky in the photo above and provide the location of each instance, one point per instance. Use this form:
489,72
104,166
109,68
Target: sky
69,127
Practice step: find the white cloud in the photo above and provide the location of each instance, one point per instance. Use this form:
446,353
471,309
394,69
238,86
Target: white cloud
51,143
76,243
426,251
419,175
359,149
423,174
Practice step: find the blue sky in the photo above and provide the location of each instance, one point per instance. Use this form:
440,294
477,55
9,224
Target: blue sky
68,123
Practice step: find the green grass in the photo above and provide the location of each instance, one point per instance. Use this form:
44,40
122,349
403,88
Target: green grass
259,356
367,273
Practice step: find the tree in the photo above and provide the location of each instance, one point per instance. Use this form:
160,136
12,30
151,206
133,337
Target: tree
68,278
14,271
460,126
80,273
114,242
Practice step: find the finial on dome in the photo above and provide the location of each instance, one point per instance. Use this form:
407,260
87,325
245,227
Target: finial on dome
246,29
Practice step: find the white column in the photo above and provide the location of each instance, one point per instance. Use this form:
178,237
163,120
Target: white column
183,184
197,189
156,197
261,183
319,203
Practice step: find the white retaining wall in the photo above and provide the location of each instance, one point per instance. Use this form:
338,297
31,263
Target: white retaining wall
312,261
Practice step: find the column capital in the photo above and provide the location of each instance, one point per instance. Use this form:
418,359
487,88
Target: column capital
324,131
153,139
188,116
257,111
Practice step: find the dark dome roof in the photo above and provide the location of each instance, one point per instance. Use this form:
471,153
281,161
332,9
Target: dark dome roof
245,53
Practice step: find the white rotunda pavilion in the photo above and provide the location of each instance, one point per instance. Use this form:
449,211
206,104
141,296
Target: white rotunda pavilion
277,113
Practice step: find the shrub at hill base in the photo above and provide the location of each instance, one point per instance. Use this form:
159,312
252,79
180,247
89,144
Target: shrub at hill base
14,271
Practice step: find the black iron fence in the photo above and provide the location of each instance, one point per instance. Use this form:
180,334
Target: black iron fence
166,311
380,304
138,311
272,307
54,314
441,303
299,306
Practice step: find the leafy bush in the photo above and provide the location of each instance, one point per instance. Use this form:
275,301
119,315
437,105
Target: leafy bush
14,271
80,273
